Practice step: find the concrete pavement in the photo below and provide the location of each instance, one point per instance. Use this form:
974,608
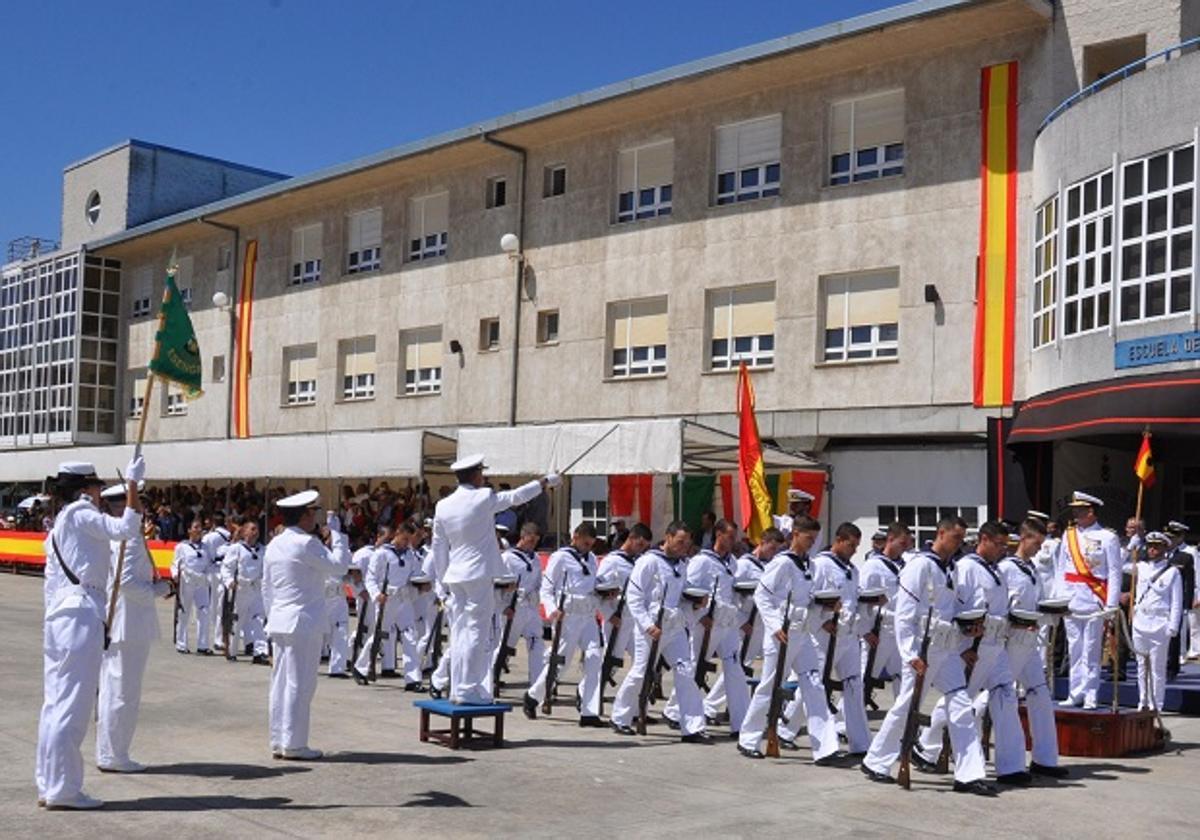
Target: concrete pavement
203,730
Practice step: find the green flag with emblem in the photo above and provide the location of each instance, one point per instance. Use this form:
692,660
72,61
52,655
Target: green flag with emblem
176,353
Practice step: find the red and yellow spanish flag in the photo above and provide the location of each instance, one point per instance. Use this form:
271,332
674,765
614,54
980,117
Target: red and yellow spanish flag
241,358
1143,465
753,495
996,280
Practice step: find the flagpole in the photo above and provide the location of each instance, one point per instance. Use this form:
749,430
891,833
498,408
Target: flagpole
1133,579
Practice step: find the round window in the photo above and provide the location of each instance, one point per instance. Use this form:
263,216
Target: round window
93,208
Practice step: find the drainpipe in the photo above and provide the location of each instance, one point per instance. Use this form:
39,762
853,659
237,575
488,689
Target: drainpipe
521,152
233,296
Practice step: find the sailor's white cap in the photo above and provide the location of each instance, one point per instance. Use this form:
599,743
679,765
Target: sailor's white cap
501,528
303,499
467,462
117,491
1038,515
1158,537
1176,527
503,581
797,495
1081,499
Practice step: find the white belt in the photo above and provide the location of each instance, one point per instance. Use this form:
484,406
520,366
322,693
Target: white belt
995,630
944,634
580,604
727,615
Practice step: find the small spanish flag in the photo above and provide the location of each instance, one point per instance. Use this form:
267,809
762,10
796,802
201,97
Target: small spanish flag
1143,465
752,478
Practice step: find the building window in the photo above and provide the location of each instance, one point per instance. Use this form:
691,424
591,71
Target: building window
137,393
356,359
1190,493
748,159
429,222
637,332
923,519
1157,232
92,208
224,258
867,138
174,404
300,374
421,350
595,513
364,237
185,295
489,334
497,192
141,307
1045,273
306,254
861,316
547,326
741,324
218,368
554,180
98,347
644,176
1087,261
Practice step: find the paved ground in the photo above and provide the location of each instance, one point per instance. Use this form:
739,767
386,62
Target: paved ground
203,729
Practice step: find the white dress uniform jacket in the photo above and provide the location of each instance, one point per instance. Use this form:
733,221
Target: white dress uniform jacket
1157,609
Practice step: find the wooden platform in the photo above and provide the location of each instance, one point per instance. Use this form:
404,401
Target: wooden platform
1102,734
462,731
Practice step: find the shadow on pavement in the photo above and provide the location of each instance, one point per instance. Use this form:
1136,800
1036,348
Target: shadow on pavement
623,744
213,803
436,799
390,758
235,772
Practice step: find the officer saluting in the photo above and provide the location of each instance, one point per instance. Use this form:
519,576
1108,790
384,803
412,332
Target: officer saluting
799,504
295,568
466,559
78,564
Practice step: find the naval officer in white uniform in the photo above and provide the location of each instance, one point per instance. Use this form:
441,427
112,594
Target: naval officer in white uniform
295,568
466,558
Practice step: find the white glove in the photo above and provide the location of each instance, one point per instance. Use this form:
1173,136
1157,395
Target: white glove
135,470
333,521
553,479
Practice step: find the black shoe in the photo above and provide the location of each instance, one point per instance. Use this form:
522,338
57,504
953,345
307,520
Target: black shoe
435,693
184,651
735,735
671,724
591,722
578,703
204,652
882,778
696,738
341,676
414,686
979,787
830,760
710,720
529,706
261,659
785,744
749,753
923,764
388,674
623,730
229,657
1051,772
360,677
1018,779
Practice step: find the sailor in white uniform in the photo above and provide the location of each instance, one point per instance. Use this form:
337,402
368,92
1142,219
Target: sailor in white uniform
524,564
73,638
215,542
1156,613
242,575
882,571
466,560
189,569
1088,569
799,504
295,568
750,568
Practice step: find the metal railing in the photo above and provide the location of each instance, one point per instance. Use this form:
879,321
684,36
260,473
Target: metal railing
29,247
1117,76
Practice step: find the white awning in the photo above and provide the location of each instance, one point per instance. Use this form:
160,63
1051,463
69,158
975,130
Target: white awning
625,447
405,453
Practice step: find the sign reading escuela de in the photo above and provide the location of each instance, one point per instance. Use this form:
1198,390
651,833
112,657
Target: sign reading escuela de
1157,350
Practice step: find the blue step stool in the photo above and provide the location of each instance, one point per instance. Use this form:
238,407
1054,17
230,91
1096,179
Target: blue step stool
462,722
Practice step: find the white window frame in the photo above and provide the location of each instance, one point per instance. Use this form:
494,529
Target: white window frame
137,393
141,307
298,391
595,513
1171,273
425,244
767,183
489,335
924,519
1044,299
493,189
646,201
424,380
543,326
755,355
1098,296
174,405
637,361
857,172
357,385
875,347
368,256
306,268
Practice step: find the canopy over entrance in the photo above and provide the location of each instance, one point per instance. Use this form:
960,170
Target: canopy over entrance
627,447
406,453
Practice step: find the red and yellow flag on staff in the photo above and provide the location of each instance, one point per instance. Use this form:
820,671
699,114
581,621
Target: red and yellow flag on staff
752,476
996,271
1143,465
241,357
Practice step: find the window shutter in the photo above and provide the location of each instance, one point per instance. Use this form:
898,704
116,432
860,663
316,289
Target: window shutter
835,303
437,213
758,141
365,230
840,119
306,243
298,245
655,164
423,349
754,311
879,120
720,314
626,166
618,325
303,364
648,322
183,273
727,148
874,299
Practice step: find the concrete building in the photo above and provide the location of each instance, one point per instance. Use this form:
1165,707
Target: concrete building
810,205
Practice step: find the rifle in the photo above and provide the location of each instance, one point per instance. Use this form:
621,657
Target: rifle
360,632
703,666
611,661
380,632
501,663
433,648
775,710
228,602
870,683
746,642
649,678
827,676
904,777
178,584
555,659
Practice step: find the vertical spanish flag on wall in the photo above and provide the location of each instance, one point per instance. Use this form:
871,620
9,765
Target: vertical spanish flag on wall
997,266
241,350
753,495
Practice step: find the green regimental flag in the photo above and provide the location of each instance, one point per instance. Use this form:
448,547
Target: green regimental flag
177,355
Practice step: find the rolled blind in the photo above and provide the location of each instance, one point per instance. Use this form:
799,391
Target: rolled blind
648,322
302,363
754,311
359,356
306,243
874,299
748,143
365,229
423,348
655,164
879,120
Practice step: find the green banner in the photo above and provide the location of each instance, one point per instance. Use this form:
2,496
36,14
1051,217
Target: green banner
697,498
177,355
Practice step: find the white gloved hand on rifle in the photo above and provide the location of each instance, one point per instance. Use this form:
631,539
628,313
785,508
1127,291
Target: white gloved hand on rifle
333,521
135,470
552,479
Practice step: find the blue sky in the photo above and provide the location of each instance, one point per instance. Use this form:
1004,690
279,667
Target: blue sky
296,85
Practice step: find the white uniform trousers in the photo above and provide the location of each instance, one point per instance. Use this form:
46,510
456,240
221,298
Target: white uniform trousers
991,678
674,648
526,632
1084,636
847,667
121,672
410,644
1029,669
579,633
472,623
945,674
337,633
293,683
1151,648
821,726
196,601
1193,625
250,627
730,687
216,594
72,647
887,664
387,646
426,608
